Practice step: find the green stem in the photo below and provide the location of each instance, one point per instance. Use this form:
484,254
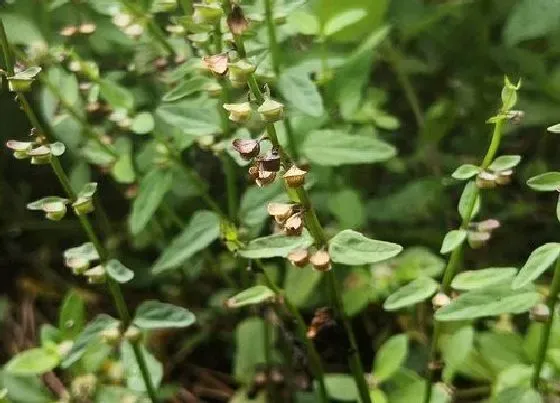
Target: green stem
267,359
301,328
231,186
454,261
545,334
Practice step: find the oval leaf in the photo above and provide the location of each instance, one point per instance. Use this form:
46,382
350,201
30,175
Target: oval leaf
341,387
185,88
343,19
352,248
119,272
504,162
547,182
490,301
34,361
469,192
300,92
332,148
277,245
452,240
539,260
472,279
159,315
417,291
72,314
390,357
202,230
466,171
250,296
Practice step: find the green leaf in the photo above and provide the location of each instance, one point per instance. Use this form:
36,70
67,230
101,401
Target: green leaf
191,118
516,375
469,192
453,239
378,396
333,148
490,301
27,31
299,284
472,279
458,347
300,92
88,190
518,395
119,272
185,88
72,315
417,291
554,128
341,387
25,389
466,171
90,332
539,260
33,361
342,20
348,208
303,22
143,123
250,348
158,315
521,24
390,357
547,182
504,162
352,248
134,379
115,95
251,296
203,229
151,191
277,245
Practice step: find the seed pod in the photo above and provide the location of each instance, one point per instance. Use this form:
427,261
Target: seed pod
40,155
83,205
236,21
504,177
133,334
69,30
539,313
477,239
440,299
321,260
299,257
294,225
21,149
487,225
240,112
270,162
265,178
486,180
96,275
294,177
87,28
55,210
77,264
247,148
217,64
271,110
280,211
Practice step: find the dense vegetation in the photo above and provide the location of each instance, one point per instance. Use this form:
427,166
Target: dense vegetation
280,201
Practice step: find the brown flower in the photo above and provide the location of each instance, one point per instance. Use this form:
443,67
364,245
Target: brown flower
236,21
247,148
299,257
321,260
217,64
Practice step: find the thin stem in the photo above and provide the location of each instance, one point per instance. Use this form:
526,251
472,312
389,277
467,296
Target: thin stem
267,359
545,334
231,186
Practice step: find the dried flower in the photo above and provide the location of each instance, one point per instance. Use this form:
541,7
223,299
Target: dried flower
321,260
270,162
440,299
294,225
487,225
253,172
486,180
20,148
539,313
247,148
236,21
477,239
504,177
265,178
299,257
217,64
294,177
280,211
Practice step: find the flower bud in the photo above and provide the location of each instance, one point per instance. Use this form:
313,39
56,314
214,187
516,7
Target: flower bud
280,211
40,155
55,210
294,225
271,110
238,112
83,205
21,149
486,180
477,239
440,299
265,178
77,264
539,313
87,28
270,162
247,148
299,257
69,30
111,335
96,275
133,334
294,177
83,387
217,64
236,21
487,225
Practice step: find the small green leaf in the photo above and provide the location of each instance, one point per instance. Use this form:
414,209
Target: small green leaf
520,24
509,94
469,192
458,347
33,362
251,296
453,239
90,332
250,348
466,171
504,162
489,301
134,379
554,128
277,245
352,248
333,148
341,387
143,123
119,272
57,149
539,260
88,190
72,315
202,230
378,396
390,357
152,189
472,279
300,92
518,394
342,20
417,291
114,94
185,88
158,315
547,182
